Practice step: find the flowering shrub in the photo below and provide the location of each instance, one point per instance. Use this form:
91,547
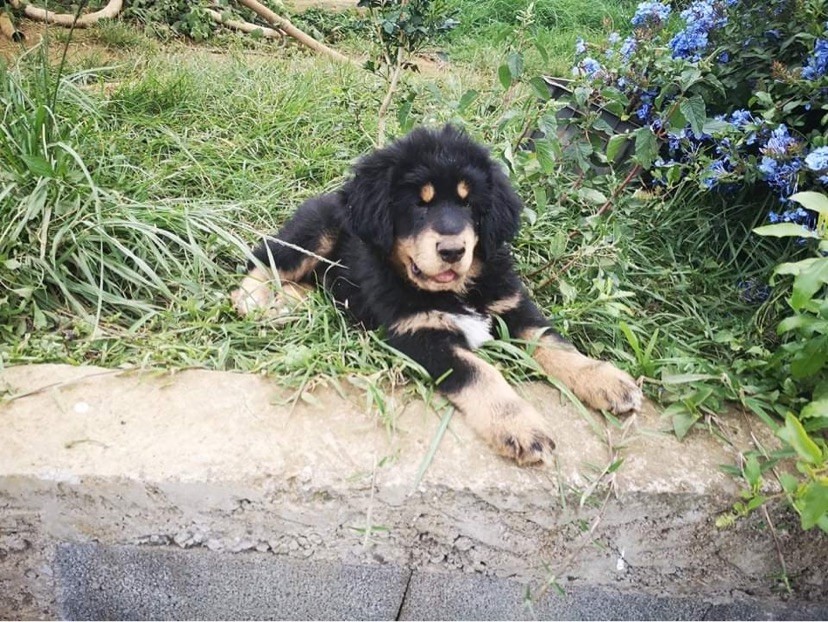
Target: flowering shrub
730,99
732,96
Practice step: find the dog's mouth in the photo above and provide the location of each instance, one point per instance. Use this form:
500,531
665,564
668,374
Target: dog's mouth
444,277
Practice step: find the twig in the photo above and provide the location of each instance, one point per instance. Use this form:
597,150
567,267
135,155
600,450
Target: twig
243,26
285,24
392,86
67,19
8,29
778,547
635,170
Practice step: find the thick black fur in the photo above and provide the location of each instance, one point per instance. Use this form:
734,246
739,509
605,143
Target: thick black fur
418,241
362,216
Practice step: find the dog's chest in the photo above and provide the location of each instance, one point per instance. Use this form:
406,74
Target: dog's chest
476,327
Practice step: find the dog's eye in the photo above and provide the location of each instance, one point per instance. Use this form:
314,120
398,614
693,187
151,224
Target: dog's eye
427,193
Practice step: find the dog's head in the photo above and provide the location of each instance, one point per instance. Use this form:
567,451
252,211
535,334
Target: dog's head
432,203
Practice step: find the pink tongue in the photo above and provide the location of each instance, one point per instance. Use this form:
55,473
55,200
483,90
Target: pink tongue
445,277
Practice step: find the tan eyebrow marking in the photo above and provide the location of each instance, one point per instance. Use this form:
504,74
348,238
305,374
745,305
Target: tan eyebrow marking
462,190
427,193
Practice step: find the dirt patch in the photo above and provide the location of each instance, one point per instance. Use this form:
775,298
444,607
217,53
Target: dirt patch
84,49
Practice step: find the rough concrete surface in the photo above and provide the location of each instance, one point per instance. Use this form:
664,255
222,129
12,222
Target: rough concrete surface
148,465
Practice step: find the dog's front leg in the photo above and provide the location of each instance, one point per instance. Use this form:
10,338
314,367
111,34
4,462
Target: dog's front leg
491,406
599,384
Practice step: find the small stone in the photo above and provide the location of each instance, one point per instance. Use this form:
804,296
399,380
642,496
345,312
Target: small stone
183,538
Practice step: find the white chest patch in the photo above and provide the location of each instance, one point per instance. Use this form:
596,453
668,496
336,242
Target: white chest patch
475,327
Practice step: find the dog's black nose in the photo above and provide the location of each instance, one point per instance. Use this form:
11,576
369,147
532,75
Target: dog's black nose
451,255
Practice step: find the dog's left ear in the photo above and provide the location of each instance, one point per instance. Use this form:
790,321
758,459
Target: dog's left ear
368,197
500,218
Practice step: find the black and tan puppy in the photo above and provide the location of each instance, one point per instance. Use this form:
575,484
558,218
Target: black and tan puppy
421,237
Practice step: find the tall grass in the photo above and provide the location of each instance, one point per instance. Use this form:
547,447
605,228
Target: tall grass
126,213
66,240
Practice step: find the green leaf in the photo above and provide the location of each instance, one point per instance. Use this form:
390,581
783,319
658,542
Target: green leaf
686,378
590,195
539,88
808,282
39,165
646,146
752,471
545,155
695,112
810,358
615,146
785,230
789,482
466,100
715,127
677,119
809,323
682,422
814,201
818,409
567,291
795,435
689,77
515,63
505,76
813,504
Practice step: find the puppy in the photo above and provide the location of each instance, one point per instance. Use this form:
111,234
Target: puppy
420,237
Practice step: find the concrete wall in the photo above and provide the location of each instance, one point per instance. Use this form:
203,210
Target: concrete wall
203,495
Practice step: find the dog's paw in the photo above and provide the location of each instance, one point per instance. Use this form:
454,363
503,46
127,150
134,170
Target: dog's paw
258,297
251,296
519,432
605,387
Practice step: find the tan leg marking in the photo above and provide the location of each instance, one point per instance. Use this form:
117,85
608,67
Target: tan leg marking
498,414
599,384
323,248
425,320
499,307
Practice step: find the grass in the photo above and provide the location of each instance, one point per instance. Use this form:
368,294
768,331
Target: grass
130,193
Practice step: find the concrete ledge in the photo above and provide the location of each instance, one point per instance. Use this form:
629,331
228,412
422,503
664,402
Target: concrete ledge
115,474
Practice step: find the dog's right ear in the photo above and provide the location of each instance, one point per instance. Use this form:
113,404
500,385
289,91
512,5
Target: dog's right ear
368,200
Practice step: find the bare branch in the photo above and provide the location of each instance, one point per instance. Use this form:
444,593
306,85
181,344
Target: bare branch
68,19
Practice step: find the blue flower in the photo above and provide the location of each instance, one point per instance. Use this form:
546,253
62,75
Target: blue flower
650,14
782,176
817,160
714,172
580,46
817,63
613,38
588,66
740,118
628,47
780,142
644,111
701,17
753,291
774,218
